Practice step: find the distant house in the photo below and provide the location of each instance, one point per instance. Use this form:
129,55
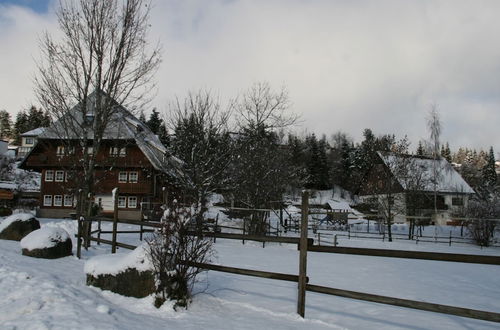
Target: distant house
4,145
28,141
131,158
409,182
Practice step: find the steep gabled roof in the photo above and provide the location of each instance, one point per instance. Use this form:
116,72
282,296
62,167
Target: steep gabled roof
34,132
122,125
448,180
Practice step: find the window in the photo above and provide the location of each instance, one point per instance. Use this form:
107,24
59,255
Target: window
457,201
68,200
59,176
117,152
29,141
47,200
122,201
49,175
57,200
60,151
122,177
133,177
132,202
90,150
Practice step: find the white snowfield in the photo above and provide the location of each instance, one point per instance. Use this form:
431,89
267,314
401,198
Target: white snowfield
51,294
44,237
15,217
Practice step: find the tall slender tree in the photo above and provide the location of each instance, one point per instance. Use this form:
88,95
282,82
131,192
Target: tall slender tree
101,60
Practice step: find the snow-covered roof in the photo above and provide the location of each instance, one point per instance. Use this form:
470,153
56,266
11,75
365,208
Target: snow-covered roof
448,179
122,125
34,132
339,205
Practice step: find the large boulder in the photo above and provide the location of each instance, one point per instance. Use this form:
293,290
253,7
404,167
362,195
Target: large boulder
47,243
18,225
128,274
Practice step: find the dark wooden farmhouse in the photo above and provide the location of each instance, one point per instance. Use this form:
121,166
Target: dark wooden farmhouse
407,183
131,158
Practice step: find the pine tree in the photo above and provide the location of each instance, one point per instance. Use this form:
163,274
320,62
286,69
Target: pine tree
154,121
142,117
420,149
5,125
447,153
489,172
323,171
163,135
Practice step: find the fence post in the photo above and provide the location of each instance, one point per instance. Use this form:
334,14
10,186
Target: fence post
244,226
79,238
319,238
450,238
99,231
301,301
335,240
115,220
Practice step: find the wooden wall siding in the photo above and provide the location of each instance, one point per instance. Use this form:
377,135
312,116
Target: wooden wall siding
45,155
106,181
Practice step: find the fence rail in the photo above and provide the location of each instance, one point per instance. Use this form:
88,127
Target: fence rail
305,245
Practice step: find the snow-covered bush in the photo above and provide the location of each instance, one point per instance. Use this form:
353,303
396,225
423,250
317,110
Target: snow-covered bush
173,250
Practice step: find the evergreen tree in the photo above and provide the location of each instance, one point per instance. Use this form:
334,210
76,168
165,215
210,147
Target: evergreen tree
489,172
420,149
154,121
142,117
447,152
323,170
163,135
20,126
5,125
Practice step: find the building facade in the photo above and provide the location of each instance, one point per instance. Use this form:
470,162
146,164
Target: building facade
131,158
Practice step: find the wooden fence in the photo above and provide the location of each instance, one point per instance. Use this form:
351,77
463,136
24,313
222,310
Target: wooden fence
305,244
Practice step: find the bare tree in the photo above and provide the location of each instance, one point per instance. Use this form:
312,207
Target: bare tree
174,253
102,61
262,169
434,127
202,140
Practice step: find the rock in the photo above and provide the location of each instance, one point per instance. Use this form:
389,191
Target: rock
47,243
17,226
128,274
129,282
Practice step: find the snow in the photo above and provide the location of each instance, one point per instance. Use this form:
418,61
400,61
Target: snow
116,263
44,237
13,218
52,294
448,180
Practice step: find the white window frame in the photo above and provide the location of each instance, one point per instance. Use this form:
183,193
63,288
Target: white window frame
133,174
68,200
61,179
60,151
29,141
122,202
132,202
49,178
47,200
58,200
122,152
122,179
90,150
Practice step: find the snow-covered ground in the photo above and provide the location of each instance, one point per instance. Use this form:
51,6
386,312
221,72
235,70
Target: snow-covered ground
51,294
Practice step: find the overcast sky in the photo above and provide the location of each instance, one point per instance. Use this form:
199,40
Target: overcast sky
348,65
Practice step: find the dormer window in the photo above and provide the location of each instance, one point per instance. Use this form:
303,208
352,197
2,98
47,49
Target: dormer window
117,152
29,141
60,151
89,118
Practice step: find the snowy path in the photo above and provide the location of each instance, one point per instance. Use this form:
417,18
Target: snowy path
51,294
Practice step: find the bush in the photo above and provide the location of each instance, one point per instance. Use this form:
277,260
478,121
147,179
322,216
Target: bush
172,250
